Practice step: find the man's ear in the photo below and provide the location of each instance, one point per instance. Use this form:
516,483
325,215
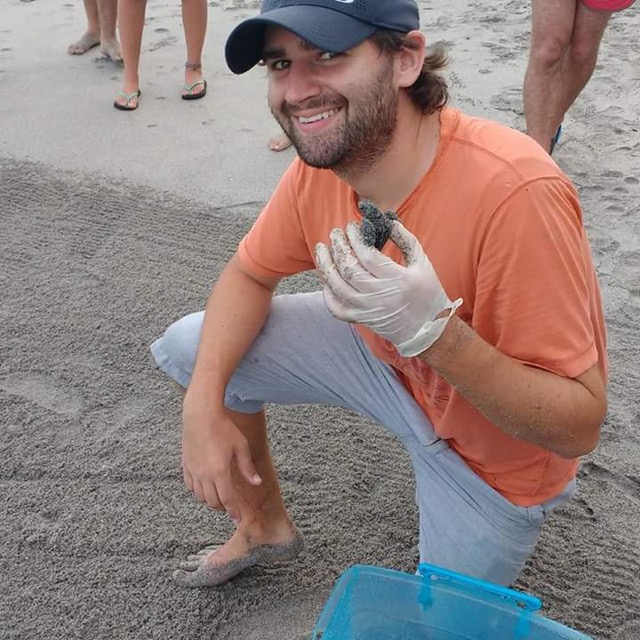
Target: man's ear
409,62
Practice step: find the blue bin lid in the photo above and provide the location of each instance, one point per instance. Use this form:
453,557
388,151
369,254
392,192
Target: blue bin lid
373,603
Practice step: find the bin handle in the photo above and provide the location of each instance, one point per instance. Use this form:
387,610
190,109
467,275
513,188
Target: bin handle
520,600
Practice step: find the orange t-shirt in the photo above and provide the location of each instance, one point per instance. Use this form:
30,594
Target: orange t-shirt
503,228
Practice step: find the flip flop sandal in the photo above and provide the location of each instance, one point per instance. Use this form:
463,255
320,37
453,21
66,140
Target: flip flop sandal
189,95
128,97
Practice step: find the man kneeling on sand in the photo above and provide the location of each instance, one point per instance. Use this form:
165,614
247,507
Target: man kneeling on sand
475,334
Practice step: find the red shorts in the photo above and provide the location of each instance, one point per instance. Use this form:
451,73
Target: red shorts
608,5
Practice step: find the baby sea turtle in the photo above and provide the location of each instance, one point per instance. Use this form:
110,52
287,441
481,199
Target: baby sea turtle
376,225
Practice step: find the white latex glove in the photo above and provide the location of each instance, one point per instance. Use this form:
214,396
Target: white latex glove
399,302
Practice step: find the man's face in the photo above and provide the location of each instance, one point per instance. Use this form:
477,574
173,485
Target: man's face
339,110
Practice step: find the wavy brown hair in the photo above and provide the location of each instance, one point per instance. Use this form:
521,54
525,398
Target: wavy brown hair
429,92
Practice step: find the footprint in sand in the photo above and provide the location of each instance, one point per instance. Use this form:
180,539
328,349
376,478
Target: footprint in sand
508,99
44,390
120,417
164,42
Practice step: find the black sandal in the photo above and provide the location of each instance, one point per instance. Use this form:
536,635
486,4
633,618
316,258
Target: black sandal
189,95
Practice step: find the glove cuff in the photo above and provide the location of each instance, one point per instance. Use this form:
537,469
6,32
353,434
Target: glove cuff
428,333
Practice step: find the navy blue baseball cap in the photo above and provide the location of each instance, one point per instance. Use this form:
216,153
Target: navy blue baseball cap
329,25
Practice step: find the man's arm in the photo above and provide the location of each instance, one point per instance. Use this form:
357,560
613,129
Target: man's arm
560,414
407,305
235,313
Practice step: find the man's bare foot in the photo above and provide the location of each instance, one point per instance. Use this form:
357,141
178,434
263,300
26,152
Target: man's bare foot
215,565
88,41
279,143
111,49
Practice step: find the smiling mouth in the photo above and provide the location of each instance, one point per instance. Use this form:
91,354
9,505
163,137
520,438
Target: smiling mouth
325,115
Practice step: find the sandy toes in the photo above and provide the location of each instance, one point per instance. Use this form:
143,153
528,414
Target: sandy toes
88,41
111,49
201,569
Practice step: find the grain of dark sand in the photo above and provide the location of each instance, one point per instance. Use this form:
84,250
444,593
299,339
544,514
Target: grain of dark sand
113,228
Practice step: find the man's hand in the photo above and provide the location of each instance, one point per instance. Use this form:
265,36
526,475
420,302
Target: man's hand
403,304
211,446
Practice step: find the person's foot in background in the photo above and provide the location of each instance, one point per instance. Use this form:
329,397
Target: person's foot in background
111,49
88,41
279,143
101,30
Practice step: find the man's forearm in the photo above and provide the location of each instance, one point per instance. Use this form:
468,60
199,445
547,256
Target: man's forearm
560,414
235,313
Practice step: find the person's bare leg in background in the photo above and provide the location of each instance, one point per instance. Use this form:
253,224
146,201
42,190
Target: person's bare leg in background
108,13
194,18
565,38
101,30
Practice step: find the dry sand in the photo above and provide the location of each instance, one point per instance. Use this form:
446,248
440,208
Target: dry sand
114,224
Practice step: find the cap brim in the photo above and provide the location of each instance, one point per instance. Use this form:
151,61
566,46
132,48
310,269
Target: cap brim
324,28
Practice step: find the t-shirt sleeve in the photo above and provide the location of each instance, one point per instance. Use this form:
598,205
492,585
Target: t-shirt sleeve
534,280
276,246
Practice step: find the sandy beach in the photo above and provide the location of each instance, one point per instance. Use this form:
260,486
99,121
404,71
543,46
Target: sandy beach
115,224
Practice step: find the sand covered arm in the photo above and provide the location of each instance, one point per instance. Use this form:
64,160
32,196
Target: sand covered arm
560,414
533,360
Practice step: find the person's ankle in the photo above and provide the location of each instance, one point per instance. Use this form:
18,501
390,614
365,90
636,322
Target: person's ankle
261,528
130,81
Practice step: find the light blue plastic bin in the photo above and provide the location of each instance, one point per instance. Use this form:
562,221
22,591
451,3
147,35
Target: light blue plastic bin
371,603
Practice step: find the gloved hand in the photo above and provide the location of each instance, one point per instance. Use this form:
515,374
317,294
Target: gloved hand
399,302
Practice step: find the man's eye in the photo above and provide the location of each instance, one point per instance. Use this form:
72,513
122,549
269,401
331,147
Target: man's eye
327,55
279,65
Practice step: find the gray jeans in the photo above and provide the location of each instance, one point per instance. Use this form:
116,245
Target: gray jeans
305,356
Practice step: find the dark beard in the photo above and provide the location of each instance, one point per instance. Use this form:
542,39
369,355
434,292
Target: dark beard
360,142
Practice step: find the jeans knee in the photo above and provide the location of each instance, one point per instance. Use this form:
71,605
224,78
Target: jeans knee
179,344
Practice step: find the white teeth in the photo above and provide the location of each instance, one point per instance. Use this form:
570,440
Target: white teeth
325,115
